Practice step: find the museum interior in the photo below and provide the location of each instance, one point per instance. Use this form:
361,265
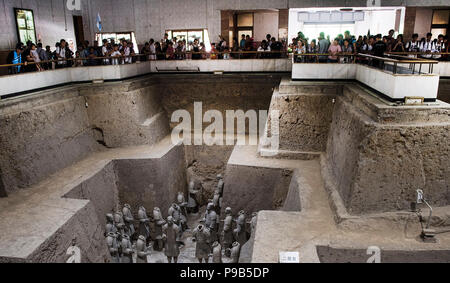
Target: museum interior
190,131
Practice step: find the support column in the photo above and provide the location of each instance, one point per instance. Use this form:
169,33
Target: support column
226,19
410,22
283,24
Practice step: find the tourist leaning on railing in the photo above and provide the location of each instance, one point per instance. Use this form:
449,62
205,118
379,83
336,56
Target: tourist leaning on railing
347,48
334,49
15,57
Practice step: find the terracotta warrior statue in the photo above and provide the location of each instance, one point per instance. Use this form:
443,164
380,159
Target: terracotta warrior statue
170,236
253,223
192,204
127,249
203,249
240,233
129,220
235,252
144,227
217,252
120,224
178,217
142,250
217,201
110,226
211,222
227,233
181,202
113,246
158,222
220,185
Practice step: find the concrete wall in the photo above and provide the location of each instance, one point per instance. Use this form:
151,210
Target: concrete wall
424,17
153,17
265,23
395,86
51,22
150,18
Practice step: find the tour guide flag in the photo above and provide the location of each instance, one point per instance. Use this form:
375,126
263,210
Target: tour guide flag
99,22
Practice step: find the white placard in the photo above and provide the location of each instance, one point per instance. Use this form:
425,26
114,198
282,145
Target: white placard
289,257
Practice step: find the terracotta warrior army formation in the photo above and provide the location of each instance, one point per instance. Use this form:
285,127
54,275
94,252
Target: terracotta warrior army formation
125,241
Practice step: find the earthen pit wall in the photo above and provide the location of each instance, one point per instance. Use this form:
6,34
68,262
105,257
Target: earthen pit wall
38,140
329,254
152,182
305,116
253,189
46,131
444,90
222,93
204,163
99,195
377,166
126,115
102,190
85,231
293,200
87,202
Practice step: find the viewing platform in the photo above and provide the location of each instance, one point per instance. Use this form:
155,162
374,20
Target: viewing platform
395,79
26,82
399,77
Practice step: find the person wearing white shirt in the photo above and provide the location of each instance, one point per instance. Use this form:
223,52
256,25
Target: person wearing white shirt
152,50
126,51
428,46
413,45
440,46
115,53
105,52
61,53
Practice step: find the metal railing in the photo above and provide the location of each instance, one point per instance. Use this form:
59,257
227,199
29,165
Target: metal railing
341,57
403,58
138,58
390,63
386,62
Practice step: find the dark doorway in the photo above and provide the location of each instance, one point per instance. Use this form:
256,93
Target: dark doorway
78,28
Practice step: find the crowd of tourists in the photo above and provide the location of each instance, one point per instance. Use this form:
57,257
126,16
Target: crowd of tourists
31,57
377,45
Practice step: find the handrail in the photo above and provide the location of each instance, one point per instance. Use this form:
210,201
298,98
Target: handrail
147,54
395,62
414,59
419,53
326,54
404,61
69,59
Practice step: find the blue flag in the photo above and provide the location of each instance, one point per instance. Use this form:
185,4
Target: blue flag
99,22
